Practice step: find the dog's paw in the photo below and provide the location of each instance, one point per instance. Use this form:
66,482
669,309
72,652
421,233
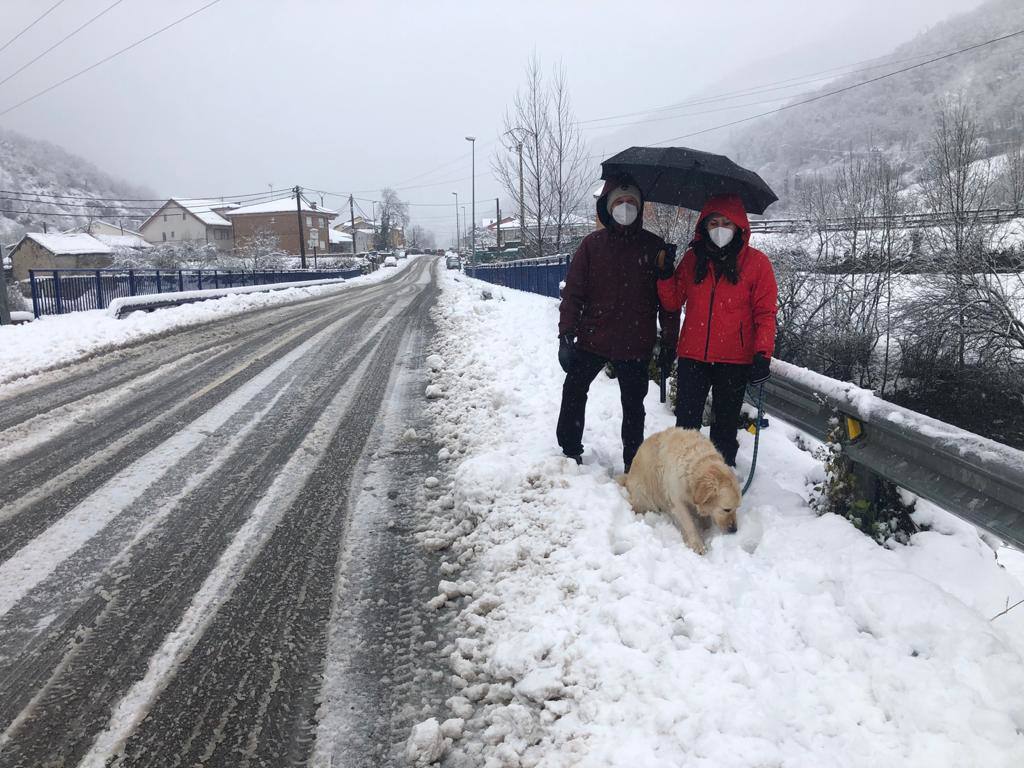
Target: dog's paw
697,544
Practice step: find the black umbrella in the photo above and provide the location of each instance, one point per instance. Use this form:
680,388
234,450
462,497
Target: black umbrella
688,177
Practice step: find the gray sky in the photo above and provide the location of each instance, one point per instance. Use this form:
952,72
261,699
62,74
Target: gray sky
342,97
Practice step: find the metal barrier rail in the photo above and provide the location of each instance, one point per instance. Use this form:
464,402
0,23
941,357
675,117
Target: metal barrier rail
58,291
897,221
972,477
543,276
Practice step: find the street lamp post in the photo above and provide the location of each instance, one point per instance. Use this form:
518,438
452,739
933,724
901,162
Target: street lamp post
472,228
456,220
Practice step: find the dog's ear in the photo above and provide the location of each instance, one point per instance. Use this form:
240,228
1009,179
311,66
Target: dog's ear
706,488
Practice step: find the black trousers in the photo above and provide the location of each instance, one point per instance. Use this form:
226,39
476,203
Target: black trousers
727,383
633,383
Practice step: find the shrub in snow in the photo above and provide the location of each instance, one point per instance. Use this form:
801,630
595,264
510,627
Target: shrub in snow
874,505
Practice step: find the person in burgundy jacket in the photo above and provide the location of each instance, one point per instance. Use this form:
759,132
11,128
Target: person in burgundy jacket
728,288
609,312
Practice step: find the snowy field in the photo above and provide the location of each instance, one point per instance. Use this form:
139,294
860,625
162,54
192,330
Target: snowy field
57,339
590,636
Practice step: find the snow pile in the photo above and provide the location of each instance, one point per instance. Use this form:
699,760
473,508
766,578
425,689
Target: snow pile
590,636
58,339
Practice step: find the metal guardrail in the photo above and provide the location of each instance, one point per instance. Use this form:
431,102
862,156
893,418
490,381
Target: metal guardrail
58,291
972,477
897,221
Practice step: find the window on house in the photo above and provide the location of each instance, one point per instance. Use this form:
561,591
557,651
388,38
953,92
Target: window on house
165,217
164,234
172,234
309,221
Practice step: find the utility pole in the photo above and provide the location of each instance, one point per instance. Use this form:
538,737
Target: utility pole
352,216
522,203
458,232
298,212
497,226
472,223
5,311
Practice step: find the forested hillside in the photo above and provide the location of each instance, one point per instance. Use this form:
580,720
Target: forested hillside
42,183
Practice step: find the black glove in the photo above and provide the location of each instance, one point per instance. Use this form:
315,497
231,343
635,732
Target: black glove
669,268
566,351
666,354
760,369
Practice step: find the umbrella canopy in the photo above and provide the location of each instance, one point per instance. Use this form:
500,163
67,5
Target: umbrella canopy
688,177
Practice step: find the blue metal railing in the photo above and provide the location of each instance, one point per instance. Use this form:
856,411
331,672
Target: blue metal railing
543,276
57,291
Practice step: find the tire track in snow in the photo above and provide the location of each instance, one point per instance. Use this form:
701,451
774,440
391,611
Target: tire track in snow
106,644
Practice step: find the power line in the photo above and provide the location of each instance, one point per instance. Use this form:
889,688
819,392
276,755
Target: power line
26,29
62,40
777,85
108,58
229,198
844,89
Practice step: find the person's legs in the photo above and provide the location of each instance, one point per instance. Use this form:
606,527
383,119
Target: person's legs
728,383
572,414
693,382
633,385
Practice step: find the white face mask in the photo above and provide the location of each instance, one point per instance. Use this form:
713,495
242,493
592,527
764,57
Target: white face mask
624,213
721,236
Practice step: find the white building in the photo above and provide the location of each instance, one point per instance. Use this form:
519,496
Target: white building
181,220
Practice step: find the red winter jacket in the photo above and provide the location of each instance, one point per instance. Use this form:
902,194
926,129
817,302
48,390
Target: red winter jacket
725,323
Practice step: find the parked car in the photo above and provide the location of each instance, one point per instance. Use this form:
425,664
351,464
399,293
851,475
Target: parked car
390,261
401,254
452,262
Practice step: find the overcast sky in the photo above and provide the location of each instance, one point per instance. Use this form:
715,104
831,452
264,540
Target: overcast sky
352,97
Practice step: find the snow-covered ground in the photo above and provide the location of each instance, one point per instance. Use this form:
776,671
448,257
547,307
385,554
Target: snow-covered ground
590,636
56,339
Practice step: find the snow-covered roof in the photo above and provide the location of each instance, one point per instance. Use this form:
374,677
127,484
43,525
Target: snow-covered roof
284,205
339,237
69,245
204,210
123,241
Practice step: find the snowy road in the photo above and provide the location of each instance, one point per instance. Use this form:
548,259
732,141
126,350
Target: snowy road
174,518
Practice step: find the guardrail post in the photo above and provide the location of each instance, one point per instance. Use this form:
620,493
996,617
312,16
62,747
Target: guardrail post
199,276
99,290
159,286
181,281
131,282
57,297
35,292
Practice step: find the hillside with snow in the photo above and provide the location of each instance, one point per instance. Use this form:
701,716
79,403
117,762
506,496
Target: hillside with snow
40,182
896,114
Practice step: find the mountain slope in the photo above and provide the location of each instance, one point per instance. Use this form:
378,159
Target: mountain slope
895,115
31,172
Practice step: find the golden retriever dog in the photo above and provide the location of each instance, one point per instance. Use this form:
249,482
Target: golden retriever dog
679,472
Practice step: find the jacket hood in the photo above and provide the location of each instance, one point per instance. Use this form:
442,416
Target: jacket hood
602,210
727,205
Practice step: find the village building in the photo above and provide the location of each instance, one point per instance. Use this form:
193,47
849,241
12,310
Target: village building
116,236
58,251
283,219
197,221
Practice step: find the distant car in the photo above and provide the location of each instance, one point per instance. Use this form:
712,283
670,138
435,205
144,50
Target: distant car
390,261
401,254
452,262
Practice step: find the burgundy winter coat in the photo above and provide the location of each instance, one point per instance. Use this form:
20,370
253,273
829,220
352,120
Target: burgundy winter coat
725,323
610,300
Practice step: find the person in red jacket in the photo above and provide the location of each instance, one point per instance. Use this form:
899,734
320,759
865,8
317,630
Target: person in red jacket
608,313
728,337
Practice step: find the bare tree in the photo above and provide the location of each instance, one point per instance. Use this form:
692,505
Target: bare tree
957,185
394,216
567,159
528,121
260,251
1011,187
